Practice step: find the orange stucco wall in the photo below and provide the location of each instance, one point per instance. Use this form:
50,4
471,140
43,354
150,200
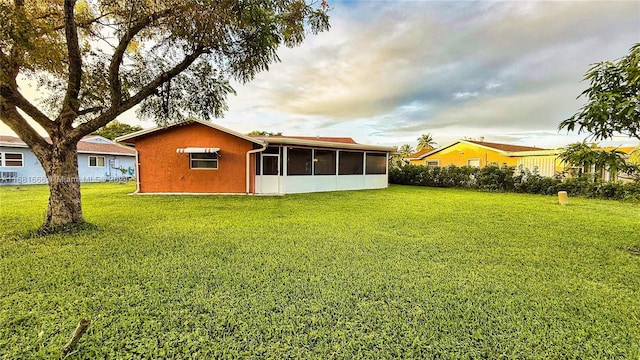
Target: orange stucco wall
460,153
161,169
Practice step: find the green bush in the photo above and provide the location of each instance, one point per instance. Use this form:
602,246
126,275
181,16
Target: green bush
494,178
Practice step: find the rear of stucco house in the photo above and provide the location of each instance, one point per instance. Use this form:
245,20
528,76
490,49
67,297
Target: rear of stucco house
200,157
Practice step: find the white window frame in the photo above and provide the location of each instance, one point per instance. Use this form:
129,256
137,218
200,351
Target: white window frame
426,163
3,159
475,159
104,161
216,161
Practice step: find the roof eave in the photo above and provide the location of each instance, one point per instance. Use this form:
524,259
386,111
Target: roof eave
328,144
136,134
14,145
105,153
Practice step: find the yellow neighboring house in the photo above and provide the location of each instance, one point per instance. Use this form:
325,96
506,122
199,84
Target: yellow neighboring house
481,153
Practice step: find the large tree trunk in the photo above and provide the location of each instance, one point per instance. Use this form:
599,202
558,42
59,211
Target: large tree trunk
65,209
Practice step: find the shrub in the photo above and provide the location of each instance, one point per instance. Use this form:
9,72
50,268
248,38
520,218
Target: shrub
494,178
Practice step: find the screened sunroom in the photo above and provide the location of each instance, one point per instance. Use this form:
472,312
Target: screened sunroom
290,165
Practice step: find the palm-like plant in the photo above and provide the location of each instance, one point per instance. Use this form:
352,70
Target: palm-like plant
425,141
405,150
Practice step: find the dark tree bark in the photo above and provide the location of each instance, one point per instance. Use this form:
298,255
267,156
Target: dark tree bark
61,168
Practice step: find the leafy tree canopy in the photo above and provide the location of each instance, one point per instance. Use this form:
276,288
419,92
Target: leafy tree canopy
264,133
613,99
115,128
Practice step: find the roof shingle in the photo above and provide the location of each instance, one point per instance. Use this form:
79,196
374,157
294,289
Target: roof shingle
83,146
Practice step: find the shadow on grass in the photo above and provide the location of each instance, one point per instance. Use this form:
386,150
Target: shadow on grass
633,250
73,229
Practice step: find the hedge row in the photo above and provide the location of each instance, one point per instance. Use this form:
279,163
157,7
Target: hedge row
494,178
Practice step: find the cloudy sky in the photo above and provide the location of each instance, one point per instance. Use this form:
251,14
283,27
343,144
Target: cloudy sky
388,71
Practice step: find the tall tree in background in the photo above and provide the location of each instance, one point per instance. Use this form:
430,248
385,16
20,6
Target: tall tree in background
115,128
263,133
98,59
613,99
425,141
405,150
397,159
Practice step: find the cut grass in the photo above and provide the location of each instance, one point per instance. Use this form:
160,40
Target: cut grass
405,272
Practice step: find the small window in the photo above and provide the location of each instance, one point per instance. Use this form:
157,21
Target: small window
473,163
12,160
204,161
376,164
96,161
432,163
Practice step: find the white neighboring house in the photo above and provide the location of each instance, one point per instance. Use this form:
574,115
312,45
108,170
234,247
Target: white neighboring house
99,159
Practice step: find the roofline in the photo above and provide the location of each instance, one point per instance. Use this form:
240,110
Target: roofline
6,144
79,151
505,153
105,153
25,146
329,144
434,151
202,122
548,152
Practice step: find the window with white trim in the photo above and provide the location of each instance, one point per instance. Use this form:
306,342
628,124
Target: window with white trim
432,163
11,159
473,163
204,161
96,161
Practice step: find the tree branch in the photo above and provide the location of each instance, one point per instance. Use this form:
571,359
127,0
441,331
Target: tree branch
15,98
113,111
116,59
10,116
89,110
70,103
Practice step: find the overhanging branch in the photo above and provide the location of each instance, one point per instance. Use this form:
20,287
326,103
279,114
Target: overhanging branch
13,97
113,111
89,110
116,60
10,116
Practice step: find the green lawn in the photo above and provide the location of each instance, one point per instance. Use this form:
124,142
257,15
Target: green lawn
405,272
